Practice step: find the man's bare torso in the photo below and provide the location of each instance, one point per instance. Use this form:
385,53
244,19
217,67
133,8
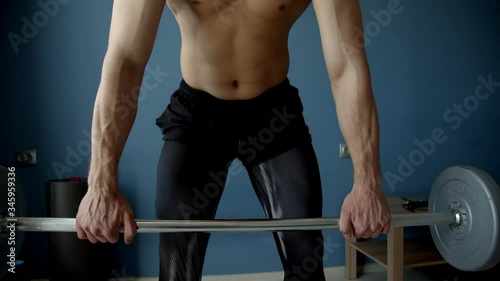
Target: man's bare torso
235,49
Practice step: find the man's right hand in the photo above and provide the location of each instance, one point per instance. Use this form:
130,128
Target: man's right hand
100,216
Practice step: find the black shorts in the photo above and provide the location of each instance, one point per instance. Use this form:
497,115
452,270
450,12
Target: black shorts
253,130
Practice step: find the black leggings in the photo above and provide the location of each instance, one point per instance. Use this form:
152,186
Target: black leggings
268,134
190,187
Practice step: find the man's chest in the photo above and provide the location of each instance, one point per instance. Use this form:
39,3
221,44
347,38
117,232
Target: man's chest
260,8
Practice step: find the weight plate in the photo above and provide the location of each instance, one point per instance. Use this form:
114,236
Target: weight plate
20,211
473,245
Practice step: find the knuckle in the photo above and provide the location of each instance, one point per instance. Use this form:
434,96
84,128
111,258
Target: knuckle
113,239
86,229
95,231
108,233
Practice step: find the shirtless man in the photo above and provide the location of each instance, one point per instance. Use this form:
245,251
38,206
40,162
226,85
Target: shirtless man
235,101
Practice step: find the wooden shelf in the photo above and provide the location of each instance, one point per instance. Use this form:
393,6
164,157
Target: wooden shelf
417,252
396,253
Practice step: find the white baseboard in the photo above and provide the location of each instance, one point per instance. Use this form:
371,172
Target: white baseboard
331,274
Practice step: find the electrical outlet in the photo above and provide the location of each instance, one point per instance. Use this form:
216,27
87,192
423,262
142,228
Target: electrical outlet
344,151
26,157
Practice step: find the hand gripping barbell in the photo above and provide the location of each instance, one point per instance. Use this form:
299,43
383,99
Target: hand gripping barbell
463,217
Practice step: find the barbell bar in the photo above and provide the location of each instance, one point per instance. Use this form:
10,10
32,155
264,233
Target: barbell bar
464,220
246,225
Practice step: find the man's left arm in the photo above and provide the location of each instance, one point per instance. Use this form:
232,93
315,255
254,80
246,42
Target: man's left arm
365,212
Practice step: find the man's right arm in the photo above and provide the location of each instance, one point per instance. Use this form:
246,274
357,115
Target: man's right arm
133,30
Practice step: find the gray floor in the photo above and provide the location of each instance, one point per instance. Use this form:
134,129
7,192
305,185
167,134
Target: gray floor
432,273
435,273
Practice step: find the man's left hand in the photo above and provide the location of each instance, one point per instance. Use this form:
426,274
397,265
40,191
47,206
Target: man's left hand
365,213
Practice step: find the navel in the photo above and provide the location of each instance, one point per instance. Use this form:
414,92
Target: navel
195,2
282,8
235,83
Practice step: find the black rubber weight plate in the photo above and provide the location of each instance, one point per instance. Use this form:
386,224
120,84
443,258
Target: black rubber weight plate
20,211
475,244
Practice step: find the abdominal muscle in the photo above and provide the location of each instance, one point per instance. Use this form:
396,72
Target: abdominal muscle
235,52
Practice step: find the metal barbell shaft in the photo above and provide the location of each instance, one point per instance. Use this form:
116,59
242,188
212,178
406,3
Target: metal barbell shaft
256,225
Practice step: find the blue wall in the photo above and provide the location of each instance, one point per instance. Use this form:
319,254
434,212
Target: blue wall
427,58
